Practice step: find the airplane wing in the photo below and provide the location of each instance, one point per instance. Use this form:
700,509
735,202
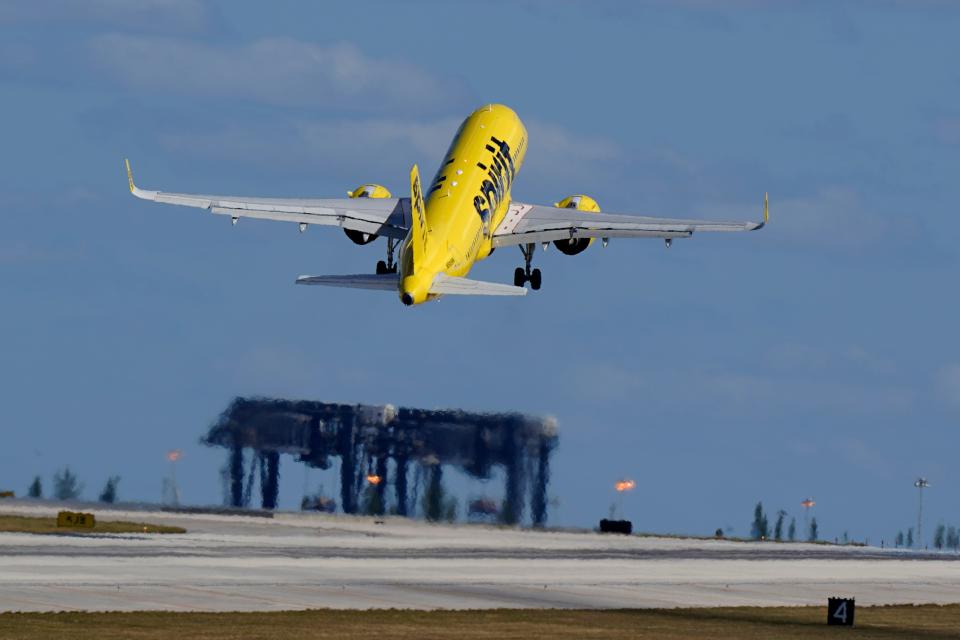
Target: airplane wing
383,216
530,223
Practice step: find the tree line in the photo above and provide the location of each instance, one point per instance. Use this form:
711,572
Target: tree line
760,527
67,486
944,537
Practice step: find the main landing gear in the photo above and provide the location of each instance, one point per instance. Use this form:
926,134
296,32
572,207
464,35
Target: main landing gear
389,266
525,274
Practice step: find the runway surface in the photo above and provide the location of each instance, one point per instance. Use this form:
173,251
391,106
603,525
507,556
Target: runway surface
300,561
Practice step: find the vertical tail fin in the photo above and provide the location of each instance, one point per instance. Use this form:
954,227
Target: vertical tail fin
418,216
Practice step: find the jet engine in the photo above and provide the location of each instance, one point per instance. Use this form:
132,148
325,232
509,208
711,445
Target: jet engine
365,191
573,246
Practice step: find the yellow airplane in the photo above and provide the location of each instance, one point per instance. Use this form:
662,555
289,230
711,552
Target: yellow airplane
465,214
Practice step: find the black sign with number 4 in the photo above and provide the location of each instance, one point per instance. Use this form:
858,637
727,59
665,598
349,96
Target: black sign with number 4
840,611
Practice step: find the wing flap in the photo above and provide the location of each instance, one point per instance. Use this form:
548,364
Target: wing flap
452,285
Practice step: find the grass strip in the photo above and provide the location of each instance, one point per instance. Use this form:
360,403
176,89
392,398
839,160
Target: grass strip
33,524
742,623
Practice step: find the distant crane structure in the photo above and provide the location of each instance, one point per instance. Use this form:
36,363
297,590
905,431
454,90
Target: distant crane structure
379,446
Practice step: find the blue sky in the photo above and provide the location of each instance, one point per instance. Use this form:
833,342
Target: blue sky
817,357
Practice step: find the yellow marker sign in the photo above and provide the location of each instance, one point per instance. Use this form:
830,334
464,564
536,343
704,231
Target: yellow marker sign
7,494
73,519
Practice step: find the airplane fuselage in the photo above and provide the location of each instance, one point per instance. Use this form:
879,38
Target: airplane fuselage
467,199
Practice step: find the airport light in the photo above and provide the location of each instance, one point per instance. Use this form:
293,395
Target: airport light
921,484
374,479
622,486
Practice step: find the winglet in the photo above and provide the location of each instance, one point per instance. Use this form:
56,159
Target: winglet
753,226
134,189
129,176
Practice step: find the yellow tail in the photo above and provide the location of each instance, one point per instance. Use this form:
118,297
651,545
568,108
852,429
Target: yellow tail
418,219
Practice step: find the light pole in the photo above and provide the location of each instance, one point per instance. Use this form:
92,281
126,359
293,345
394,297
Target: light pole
171,492
920,484
807,505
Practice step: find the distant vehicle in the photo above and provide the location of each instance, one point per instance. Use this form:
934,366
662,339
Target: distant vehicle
466,213
318,503
483,509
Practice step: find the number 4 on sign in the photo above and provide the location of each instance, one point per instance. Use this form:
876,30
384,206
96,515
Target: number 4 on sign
841,613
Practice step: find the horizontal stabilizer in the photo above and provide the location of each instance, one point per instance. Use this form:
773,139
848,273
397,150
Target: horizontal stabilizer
379,282
453,286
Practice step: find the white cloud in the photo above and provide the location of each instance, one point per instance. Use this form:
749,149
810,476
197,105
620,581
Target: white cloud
150,15
275,71
948,384
381,149
409,138
948,130
356,150
21,253
803,358
549,139
277,370
835,217
738,393
559,156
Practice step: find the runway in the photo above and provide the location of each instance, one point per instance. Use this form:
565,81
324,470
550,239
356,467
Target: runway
300,561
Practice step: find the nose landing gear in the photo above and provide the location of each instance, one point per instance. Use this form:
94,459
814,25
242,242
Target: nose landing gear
524,274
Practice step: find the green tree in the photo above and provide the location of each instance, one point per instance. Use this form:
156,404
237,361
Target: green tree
434,496
450,510
66,485
371,503
814,531
36,488
939,537
778,527
910,537
898,541
760,529
109,493
953,538
792,530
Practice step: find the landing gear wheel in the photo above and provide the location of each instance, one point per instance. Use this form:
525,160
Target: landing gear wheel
525,274
519,277
389,266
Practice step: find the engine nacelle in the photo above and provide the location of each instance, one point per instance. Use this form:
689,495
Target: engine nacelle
365,191
573,246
